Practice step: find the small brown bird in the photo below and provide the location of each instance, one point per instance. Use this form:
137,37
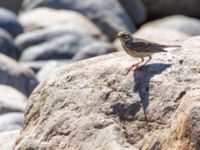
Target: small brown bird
140,48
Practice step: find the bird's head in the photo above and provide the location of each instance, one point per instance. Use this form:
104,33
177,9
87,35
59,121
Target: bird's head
124,36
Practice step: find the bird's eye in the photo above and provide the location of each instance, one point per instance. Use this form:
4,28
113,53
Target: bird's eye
124,36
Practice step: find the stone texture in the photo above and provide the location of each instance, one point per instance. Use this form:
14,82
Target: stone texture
160,8
73,46
7,45
7,139
9,22
184,130
135,9
13,74
11,5
180,23
110,17
11,121
11,100
95,104
64,20
35,37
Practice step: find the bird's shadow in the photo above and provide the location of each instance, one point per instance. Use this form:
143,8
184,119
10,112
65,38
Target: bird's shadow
142,77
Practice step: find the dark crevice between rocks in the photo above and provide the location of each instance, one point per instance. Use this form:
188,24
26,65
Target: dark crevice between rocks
107,95
198,141
32,112
181,95
181,61
53,132
156,145
101,125
4,110
134,137
33,118
168,110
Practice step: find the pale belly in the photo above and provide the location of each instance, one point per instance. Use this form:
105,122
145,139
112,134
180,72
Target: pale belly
137,54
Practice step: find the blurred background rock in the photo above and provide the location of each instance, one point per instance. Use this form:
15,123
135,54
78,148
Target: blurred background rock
39,36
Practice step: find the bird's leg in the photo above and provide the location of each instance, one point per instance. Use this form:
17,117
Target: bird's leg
147,60
135,65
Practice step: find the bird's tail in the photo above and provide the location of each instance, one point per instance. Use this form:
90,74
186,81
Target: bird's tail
168,46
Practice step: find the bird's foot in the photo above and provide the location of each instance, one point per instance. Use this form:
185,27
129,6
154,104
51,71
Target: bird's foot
133,67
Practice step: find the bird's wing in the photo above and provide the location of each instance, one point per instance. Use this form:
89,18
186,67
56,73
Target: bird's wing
141,45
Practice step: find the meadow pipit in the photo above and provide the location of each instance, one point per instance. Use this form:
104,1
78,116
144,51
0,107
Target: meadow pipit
140,48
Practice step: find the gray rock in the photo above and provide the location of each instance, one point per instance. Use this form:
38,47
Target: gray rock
135,9
93,49
11,121
13,5
11,100
191,54
161,35
8,139
160,8
39,64
110,17
13,74
180,23
66,47
7,45
68,19
95,104
33,38
9,22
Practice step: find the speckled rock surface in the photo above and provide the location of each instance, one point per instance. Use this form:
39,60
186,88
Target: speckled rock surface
95,104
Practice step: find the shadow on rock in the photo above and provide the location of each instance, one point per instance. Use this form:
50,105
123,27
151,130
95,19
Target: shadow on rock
142,77
126,112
